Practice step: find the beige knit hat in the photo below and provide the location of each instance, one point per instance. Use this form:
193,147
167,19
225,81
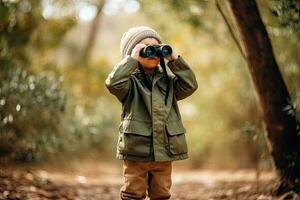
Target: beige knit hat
134,35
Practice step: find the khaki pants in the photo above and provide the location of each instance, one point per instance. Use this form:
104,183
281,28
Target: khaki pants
141,178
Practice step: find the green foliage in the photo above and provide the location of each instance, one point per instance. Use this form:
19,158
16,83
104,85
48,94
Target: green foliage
93,119
32,100
283,27
287,12
26,35
190,11
30,112
13,22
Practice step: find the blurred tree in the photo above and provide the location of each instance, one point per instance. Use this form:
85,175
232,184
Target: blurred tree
279,114
93,30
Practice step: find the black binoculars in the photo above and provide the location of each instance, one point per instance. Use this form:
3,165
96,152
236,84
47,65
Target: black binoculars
156,50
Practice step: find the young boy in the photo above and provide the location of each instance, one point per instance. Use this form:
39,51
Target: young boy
151,133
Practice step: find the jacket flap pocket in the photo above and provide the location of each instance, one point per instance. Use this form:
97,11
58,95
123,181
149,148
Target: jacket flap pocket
175,127
136,127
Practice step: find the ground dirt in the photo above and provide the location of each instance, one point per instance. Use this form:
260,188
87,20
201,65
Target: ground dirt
95,180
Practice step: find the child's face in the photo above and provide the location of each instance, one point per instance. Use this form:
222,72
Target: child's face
149,63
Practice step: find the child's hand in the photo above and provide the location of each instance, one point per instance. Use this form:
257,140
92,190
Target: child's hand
136,51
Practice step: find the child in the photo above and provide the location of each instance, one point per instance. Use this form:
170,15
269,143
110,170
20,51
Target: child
151,133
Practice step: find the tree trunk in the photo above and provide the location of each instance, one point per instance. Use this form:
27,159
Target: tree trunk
280,121
93,31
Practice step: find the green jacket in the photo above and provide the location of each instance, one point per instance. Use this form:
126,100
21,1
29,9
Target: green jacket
149,129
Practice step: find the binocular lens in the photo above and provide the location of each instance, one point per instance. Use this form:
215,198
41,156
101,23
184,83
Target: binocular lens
149,51
156,50
166,51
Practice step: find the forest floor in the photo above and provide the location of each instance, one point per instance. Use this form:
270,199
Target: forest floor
94,180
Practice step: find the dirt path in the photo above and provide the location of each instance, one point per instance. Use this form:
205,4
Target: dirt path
90,180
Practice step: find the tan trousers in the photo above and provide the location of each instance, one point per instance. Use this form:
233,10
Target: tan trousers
141,179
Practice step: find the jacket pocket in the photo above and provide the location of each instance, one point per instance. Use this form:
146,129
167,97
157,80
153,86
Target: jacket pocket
176,138
135,138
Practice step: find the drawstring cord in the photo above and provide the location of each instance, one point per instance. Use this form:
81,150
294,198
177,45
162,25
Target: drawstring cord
163,65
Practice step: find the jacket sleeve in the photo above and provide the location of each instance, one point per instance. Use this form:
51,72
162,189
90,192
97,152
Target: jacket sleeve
118,81
185,82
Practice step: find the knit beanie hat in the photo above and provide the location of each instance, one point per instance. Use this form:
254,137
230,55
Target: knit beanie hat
133,36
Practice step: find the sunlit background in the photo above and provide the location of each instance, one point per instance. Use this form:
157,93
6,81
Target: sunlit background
55,56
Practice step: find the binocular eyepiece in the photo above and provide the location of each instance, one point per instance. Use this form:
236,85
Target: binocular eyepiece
156,50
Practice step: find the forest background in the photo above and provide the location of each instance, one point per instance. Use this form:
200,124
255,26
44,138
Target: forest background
55,56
